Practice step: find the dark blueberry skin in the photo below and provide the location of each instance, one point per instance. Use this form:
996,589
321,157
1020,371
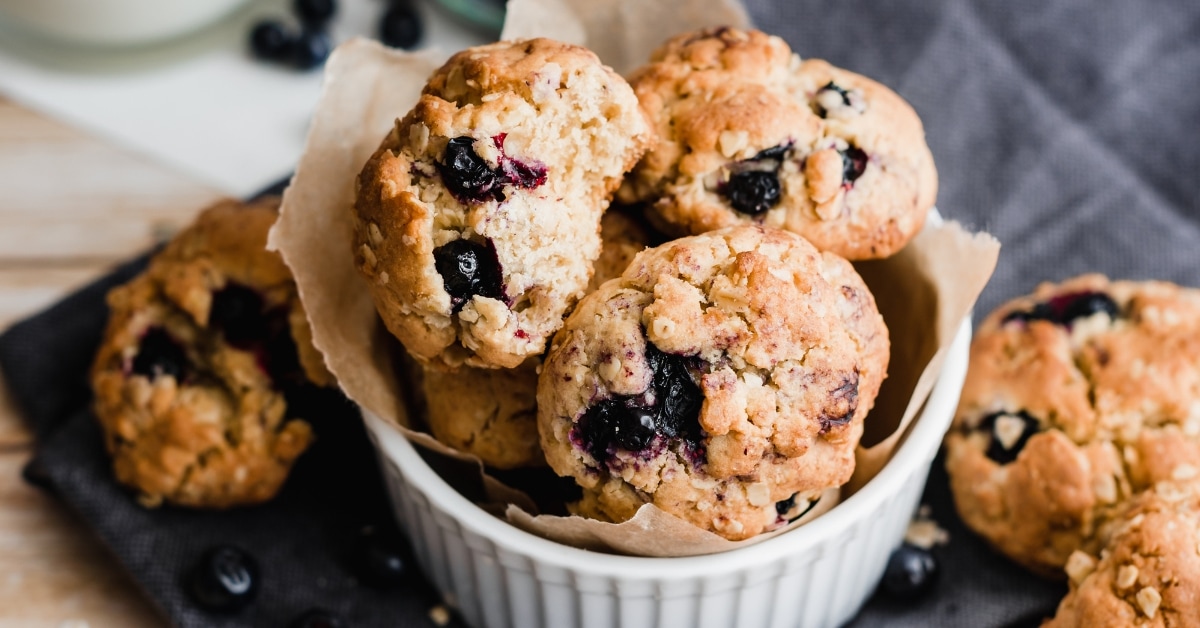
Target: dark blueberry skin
382,558
846,395
468,269
314,14
225,579
629,423
753,191
317,618
470,178
854,163
911,572
237,311
1064,309
159,355
400,26
467,175
995,450
270,41
311,50
831,86
786,509
774,152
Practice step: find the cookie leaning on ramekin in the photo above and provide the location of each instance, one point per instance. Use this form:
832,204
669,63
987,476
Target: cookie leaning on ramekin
190,374
1076,398
748,133
720,376
492,413
477,220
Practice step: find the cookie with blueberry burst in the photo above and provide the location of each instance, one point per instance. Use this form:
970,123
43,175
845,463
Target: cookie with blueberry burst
199,356
723,377
747,132
477,220
1077,397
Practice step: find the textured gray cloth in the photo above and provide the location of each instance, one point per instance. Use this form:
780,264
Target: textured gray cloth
1066,129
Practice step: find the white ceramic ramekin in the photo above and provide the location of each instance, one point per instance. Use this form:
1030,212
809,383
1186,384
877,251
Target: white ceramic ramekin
818,575
115,22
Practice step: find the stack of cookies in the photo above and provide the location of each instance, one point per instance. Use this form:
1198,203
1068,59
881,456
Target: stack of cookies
1076,446
724,375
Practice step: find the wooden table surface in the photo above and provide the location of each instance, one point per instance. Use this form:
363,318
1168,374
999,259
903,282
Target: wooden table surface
72,207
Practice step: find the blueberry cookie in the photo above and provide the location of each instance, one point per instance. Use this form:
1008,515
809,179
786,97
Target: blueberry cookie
1148,573
723,377
492,413
749,133
190,375
1076,398
477,220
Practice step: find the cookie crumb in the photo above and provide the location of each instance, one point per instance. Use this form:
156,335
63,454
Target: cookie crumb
439,615
1148,600
925,533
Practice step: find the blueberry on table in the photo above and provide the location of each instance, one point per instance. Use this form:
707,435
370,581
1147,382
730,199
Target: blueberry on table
468,269
400,26
753,191
270,41
911,572
317,618
159,355
381,556
314,13
224,580
311,50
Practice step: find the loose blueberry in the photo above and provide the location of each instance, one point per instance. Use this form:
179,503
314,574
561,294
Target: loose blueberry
317,618
237,311
1005,441
314,13
753,191
911,572
159,355
400,26
381,556
830,87
469,269
311,49
225,580
466,174
854,163
270,41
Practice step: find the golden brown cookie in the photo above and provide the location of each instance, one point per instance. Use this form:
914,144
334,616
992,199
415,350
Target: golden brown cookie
188,379
749,133
1148,572
1076,398
720,376
477,221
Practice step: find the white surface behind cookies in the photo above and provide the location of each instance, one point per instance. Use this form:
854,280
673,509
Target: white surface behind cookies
200,104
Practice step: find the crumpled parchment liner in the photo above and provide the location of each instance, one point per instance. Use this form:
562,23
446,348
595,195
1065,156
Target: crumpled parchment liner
924,292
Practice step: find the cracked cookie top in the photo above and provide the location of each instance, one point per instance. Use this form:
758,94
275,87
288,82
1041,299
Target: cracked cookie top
190,375
477,220
1076,397
1147,573
749,133
720,376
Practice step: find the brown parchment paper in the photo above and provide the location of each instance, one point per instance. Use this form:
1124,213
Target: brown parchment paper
924,292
